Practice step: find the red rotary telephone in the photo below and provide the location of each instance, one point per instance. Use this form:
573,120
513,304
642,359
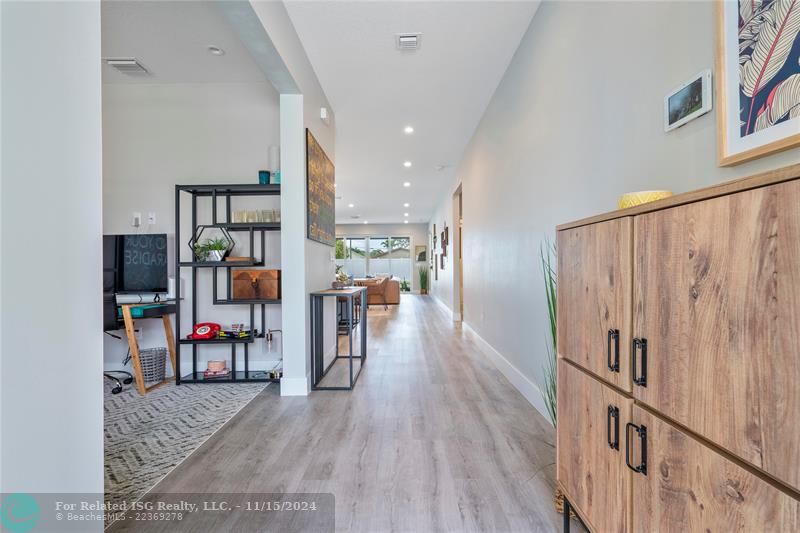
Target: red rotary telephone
205,330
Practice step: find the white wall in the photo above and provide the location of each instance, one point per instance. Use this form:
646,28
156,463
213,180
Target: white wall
441,280
575,122
158,135
315,261
417,232
51,381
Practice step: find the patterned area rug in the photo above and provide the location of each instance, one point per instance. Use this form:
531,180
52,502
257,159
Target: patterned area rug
147,436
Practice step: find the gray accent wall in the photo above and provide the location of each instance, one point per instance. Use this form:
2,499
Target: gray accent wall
575,122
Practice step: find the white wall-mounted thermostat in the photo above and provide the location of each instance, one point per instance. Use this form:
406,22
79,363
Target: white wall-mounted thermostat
687,102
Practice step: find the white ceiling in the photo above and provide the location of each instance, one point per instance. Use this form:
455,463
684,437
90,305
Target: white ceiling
441,90
171,40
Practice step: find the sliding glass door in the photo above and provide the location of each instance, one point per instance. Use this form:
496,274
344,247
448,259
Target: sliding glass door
375,256
400,257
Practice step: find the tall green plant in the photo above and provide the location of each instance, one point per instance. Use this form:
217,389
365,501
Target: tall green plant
546,253
423,277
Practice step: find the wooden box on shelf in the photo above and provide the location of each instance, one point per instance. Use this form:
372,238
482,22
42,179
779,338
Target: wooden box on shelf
261,284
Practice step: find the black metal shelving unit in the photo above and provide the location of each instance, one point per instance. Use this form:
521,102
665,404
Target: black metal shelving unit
255,230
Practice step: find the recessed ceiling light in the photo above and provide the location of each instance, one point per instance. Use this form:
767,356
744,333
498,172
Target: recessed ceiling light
405,222
366,222
406,184
216,50
407,164
406,204
409,130
351,205
405,214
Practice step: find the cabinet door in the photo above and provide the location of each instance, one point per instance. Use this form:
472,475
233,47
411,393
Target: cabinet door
717,299
594,298
689,487
589,443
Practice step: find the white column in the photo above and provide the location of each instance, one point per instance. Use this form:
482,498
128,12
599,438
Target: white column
294,295
51,382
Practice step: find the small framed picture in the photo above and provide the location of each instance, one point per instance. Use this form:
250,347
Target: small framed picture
689,101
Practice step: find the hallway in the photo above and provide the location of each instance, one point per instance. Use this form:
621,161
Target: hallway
433,438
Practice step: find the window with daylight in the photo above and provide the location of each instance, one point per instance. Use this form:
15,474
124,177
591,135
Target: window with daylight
351,255
375,256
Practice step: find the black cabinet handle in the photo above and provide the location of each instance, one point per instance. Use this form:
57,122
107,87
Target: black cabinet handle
641,432
613,412
639,376
613,339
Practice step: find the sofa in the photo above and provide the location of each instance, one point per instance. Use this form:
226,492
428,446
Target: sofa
391,292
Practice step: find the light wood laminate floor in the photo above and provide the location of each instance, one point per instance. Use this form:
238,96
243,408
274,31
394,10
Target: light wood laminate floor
433,438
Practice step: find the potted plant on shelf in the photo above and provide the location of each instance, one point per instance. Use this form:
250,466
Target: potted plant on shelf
212,249
342,279
423,280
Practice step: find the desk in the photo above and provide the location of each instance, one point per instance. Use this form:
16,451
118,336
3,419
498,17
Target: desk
161,312
318,369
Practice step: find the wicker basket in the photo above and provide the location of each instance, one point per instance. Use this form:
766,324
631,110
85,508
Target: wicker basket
154,364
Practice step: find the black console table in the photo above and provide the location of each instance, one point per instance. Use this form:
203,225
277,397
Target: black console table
318,369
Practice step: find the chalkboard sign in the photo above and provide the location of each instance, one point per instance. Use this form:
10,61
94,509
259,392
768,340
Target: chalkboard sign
321,195
143,263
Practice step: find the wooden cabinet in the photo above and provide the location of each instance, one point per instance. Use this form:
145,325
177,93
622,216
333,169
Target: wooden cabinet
704,289
594,298
591,464
689,487
717,299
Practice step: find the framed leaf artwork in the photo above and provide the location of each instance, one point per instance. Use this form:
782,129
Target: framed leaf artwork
758,78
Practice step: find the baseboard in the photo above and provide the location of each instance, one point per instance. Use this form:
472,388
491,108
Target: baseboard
294,386
529,390
441,303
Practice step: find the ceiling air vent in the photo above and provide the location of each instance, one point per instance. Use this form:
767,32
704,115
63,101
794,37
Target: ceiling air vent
126,65
408,41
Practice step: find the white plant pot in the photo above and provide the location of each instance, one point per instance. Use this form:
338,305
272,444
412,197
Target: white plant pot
215,255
